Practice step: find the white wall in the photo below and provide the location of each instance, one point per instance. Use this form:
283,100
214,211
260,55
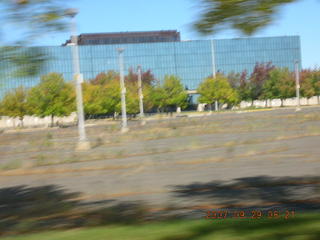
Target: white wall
289,102
32,121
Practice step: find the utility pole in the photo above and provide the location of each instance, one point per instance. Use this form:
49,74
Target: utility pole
297,85
213,55
143,122
124,125
83,143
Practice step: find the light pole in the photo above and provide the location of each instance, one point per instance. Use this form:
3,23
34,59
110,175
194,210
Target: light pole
143,122
83,143
213,56
124,126
297,85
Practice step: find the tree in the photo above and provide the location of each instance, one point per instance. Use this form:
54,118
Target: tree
174,93
101,99
235,79
316,83
93,99
158,97
217,89
147,78
132,98
102,94
104,78
280,84
239,82
132,95
310,83
149,97
33,19
306,82
52,97
247,16
14,103
260,74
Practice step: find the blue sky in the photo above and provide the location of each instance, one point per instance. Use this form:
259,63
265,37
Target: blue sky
300,18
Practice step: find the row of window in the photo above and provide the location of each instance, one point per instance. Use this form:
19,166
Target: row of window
127,40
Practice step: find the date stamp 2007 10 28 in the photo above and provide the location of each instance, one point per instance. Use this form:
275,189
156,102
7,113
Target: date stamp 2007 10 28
252,214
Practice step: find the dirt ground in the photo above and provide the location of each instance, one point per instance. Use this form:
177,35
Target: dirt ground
261,158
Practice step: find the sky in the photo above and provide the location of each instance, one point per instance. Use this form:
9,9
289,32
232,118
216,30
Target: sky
301,18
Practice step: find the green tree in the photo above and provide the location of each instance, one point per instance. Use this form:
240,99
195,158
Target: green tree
132,98
102,99
307,88
14,104
157,97
149,97
52,97
174,93
316,83
33,19
93,99
310,83
247,16
241,84
131,81
280,84
217,89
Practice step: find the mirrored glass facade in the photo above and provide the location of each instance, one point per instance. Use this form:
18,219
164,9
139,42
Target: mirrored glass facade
192,61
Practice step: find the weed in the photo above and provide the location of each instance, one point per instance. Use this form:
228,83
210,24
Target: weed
49,136
40,160
120,153
98,142
11,165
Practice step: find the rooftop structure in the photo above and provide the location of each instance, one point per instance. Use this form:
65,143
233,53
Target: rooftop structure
127,37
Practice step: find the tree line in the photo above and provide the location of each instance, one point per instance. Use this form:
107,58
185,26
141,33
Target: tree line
53,96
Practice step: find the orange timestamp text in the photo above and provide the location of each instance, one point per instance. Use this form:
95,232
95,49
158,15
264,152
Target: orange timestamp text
252,214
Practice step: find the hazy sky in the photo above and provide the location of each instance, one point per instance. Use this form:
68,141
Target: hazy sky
301,18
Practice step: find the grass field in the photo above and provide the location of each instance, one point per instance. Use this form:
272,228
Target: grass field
304,227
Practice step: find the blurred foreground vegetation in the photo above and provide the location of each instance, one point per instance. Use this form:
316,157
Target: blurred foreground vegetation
302,227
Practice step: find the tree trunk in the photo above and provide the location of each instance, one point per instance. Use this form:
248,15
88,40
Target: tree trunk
52,120
21,121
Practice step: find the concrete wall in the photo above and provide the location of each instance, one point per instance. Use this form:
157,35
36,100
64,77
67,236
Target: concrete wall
32,121
289,102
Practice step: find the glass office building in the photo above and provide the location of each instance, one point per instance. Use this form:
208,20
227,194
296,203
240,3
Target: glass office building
192,61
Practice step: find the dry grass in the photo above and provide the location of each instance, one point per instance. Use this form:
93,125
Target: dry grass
56,146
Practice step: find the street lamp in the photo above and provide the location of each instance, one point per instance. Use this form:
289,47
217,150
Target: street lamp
213,56
143,122
124,126
83,143
297,85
